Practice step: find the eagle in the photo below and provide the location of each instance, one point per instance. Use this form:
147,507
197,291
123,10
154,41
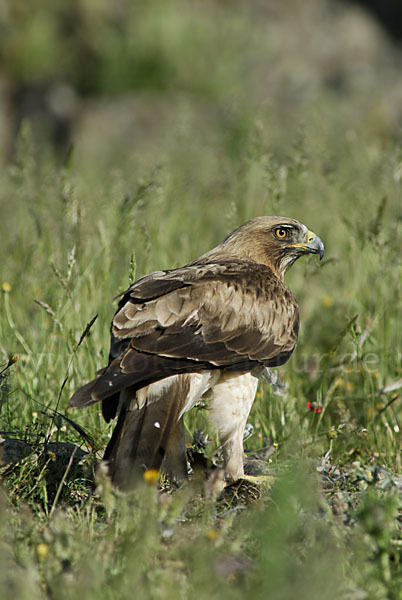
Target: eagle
205,330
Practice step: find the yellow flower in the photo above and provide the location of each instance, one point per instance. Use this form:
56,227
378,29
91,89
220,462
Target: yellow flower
6,287
327,301
340,382
42,550
212,535
350,386
151,476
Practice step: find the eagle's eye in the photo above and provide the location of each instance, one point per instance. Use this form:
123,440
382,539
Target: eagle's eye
281,232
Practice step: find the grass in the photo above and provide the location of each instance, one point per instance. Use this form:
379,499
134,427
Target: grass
73,234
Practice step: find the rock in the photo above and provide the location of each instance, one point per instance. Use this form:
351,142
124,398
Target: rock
12,451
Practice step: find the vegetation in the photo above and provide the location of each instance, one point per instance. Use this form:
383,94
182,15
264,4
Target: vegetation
220,140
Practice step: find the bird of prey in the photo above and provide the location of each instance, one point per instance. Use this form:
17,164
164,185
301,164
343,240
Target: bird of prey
207,329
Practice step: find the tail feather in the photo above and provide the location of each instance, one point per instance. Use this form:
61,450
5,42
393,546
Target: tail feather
142,437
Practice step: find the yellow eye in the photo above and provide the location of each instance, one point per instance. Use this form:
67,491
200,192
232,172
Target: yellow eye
281,233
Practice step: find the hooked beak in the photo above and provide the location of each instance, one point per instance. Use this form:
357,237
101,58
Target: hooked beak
313,244
315,247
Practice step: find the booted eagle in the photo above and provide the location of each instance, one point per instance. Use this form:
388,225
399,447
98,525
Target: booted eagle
207,329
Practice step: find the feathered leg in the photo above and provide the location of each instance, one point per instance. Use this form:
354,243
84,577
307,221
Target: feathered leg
230,405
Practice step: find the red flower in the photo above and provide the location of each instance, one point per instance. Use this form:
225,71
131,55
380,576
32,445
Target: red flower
312,406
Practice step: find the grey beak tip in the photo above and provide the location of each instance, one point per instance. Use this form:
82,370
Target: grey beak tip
317,247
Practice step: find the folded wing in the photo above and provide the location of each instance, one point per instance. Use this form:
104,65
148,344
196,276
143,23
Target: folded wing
232,315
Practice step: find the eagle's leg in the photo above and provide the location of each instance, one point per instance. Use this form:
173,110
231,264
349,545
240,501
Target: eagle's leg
230,405
175,463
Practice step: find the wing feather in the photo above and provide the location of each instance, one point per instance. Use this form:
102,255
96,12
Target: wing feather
234,315
237,312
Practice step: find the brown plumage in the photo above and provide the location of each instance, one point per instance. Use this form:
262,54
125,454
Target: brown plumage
205,329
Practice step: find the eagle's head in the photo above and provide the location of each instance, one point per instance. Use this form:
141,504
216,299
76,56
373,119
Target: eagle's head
273,241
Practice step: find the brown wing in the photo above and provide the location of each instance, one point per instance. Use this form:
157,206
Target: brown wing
222,318
234,315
